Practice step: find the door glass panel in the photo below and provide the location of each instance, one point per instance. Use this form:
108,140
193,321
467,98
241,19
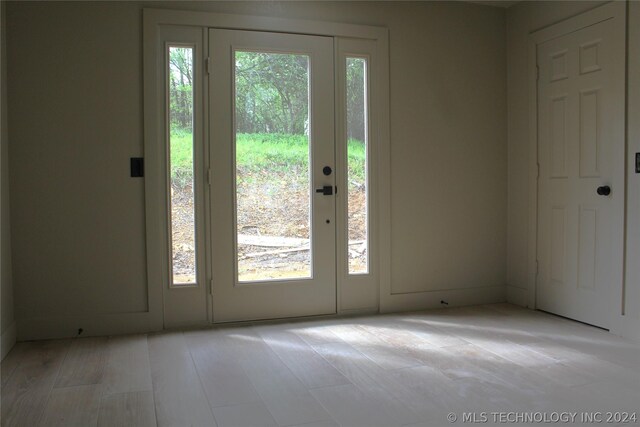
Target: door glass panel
273,182
183,241
357,142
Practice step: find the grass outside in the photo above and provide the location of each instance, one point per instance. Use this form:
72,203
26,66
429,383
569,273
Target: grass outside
269,166
260,152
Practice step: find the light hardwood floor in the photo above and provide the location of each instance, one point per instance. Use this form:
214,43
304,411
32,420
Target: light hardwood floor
390,370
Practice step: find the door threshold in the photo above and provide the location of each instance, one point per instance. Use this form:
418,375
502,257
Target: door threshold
279,320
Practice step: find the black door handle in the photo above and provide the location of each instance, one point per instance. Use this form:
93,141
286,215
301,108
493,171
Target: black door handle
604,190
327,190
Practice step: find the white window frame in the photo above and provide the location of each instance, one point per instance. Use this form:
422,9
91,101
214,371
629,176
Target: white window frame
358,291
182,305
186,38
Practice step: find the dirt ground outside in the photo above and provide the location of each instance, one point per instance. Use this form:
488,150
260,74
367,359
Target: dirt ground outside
273,228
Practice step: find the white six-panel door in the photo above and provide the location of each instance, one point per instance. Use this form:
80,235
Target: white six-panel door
581,179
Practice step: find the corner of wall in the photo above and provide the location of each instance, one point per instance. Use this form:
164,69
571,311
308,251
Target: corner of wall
8,340
7,320
517,296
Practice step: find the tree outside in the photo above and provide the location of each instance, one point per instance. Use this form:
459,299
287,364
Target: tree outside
272,163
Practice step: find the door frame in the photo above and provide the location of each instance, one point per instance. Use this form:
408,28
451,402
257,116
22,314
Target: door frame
614,10
160,296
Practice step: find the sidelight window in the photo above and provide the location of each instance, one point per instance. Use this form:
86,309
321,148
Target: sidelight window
181,164
357,154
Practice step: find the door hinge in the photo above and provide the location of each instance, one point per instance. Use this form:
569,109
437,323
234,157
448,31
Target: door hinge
537,170
209,176
207,65
211,287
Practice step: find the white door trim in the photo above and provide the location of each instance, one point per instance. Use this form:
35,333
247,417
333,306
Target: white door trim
614,10
155,17
156,225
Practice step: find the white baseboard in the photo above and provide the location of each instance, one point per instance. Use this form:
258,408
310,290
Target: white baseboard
8,340
131,323
92,325
433,299
518,296
357,311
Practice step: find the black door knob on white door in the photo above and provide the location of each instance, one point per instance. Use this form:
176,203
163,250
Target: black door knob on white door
604,190
327,190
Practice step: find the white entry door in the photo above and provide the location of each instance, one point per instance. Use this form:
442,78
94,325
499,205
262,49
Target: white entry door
581,147
271,127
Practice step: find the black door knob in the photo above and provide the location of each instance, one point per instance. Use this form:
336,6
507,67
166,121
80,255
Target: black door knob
327,190
604,190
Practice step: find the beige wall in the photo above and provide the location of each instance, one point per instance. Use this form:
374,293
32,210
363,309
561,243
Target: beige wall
7,325
521,20
75,111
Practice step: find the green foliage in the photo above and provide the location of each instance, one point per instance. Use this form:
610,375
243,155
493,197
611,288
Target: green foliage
271,99
356,161
272,93
181,87
356,68
275,152
181,151
258,155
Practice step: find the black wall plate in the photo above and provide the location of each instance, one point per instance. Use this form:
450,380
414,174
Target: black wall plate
137,167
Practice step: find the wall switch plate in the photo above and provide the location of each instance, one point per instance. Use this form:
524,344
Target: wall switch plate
137,167
637,162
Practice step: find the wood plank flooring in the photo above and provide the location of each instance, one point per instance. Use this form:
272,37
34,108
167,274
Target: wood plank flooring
408,369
